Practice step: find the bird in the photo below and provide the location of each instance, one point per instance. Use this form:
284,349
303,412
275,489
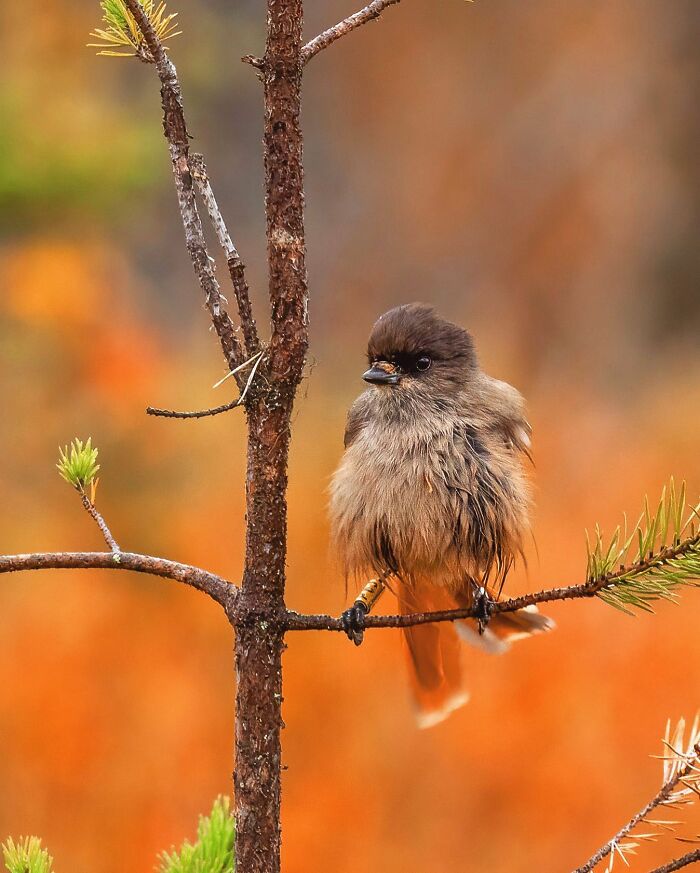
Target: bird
431,497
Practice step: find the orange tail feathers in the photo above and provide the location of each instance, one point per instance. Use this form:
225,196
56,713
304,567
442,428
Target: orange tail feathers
434,656
434,650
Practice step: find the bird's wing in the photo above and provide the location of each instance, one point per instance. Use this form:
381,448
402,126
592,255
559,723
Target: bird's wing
507,415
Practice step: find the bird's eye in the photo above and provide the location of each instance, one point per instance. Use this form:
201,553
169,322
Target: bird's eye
423,363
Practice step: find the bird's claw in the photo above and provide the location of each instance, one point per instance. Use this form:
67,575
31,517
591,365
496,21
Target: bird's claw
353,620
483,609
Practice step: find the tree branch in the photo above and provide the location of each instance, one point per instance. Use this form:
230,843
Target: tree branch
175,129
678,863
215,410
199,413
591,588
347,25
92,511
298,621
664,796
218,588
236,266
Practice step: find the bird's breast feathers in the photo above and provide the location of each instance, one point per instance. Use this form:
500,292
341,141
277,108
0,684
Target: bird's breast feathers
434,499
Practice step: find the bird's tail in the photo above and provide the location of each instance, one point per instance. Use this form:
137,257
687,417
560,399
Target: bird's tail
433,654
434,651
504,628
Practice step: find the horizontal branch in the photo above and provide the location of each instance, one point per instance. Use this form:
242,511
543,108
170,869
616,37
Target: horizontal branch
156,412
218,588
215,410
679,863
347,25
591,588
297,621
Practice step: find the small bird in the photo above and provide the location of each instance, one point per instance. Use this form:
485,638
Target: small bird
430,496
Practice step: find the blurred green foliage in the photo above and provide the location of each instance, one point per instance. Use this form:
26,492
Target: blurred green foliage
45,174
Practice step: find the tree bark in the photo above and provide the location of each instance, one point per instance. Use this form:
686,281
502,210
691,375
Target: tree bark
260,610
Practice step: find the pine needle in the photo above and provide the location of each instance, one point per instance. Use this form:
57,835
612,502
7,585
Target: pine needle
26,856
659,556
121,37
77,464
213,851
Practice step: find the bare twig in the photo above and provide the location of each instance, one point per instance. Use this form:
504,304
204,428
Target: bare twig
347,25
215,410
199,413
663,796
258,63
236,267
92,511
175,128
679,863
218,588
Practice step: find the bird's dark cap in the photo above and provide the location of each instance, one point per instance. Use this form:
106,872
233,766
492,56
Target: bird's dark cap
416,328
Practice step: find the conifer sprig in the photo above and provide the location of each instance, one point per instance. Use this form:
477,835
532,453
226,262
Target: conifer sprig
680,788
660,554
121,36
213,852
77,463
26,856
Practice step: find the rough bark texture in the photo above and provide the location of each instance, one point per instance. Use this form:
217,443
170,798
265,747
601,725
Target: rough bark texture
260,610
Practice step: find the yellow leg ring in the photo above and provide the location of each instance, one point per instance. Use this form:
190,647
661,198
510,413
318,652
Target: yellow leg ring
370,594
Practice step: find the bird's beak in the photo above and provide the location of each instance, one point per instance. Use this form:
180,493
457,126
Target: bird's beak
382,373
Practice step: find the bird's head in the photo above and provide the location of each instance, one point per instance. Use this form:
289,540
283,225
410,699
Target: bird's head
412,347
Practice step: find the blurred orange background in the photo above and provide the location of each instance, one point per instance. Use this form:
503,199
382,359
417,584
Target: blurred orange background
529,168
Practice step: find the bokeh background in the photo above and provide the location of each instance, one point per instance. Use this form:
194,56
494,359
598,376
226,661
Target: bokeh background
530,168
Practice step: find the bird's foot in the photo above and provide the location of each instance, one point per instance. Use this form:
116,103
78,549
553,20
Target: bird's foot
483,609
353,620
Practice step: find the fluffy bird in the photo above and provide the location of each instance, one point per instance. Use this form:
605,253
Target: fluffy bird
430,495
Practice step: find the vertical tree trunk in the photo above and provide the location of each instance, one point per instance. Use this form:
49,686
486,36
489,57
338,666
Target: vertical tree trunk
259,611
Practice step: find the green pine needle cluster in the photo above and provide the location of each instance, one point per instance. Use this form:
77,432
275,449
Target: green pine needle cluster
77,464
121,37
26,856
659,555
213,852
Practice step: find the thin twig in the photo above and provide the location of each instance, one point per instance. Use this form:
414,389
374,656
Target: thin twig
92,511
679,863
218,588
175,129
258,63
215,410
347,25
663,795
297,621
236,267
199,413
